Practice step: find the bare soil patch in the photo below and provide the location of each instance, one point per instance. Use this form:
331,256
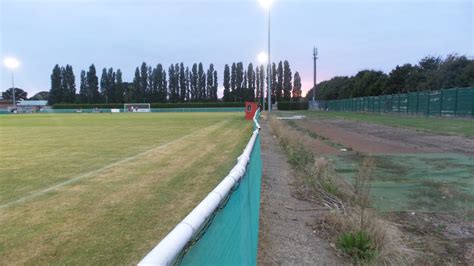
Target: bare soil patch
372,138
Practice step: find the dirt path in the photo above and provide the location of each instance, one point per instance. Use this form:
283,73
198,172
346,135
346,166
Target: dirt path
372,138
284,236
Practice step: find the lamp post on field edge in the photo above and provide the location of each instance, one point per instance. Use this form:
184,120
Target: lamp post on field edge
12,64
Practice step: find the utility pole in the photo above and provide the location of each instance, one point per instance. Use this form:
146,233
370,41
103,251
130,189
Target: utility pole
315,57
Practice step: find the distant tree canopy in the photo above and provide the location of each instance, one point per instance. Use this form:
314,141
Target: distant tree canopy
177,83
431,73
19,94
42,95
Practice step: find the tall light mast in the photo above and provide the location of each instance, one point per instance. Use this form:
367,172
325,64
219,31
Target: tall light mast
315,57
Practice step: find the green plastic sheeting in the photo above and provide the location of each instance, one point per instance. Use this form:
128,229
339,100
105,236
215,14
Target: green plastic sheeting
446,102
231,237
425,182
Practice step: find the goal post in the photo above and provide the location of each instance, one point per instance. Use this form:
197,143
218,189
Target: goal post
136,107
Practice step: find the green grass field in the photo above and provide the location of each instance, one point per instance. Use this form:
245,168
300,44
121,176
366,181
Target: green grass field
445,126
103,188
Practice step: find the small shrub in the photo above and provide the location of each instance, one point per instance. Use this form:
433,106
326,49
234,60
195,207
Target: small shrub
299,156
358,245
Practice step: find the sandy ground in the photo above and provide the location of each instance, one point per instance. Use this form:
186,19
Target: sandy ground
285,234
372,138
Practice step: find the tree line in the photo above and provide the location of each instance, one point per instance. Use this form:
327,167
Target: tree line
430,73
179,83
250,83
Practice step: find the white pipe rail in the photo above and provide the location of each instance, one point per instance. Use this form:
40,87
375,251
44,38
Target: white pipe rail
171,246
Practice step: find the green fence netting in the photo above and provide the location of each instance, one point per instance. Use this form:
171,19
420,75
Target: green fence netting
447,102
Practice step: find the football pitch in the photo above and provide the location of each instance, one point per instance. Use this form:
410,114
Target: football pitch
105,188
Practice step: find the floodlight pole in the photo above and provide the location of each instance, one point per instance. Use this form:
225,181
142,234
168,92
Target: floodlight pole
13,91
269,92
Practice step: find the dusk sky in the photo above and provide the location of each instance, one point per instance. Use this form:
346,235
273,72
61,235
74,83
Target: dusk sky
350,35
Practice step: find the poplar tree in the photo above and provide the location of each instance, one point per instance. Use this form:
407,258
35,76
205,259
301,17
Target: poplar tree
143,82
55,95
68,85
202,82
172,83
176,83
194,82
233,87
262,82
161,87
274,82
227,97
104,84
83,88
287,86
210,83
119,89
182,83
154,85
251,82
239,78
245,92
165,91
279,83
135,93
297,87
150,84
188,84
111,81
92,85
257,84
216,85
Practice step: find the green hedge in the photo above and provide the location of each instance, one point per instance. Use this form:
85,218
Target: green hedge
292,105
153,105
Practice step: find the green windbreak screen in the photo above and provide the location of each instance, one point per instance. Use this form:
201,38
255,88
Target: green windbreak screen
446,102
231,238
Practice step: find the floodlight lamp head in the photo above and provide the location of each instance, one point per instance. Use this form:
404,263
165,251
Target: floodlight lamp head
262,58
267,4
11,63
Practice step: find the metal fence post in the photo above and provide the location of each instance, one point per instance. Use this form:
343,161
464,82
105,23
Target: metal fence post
399,105
456,102
441,102
408,102
380,99
472,103
429,100
417,100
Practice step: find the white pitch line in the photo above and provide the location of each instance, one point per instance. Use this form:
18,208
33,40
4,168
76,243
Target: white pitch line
77,178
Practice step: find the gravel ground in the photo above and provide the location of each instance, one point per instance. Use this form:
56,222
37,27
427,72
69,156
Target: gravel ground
285,235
